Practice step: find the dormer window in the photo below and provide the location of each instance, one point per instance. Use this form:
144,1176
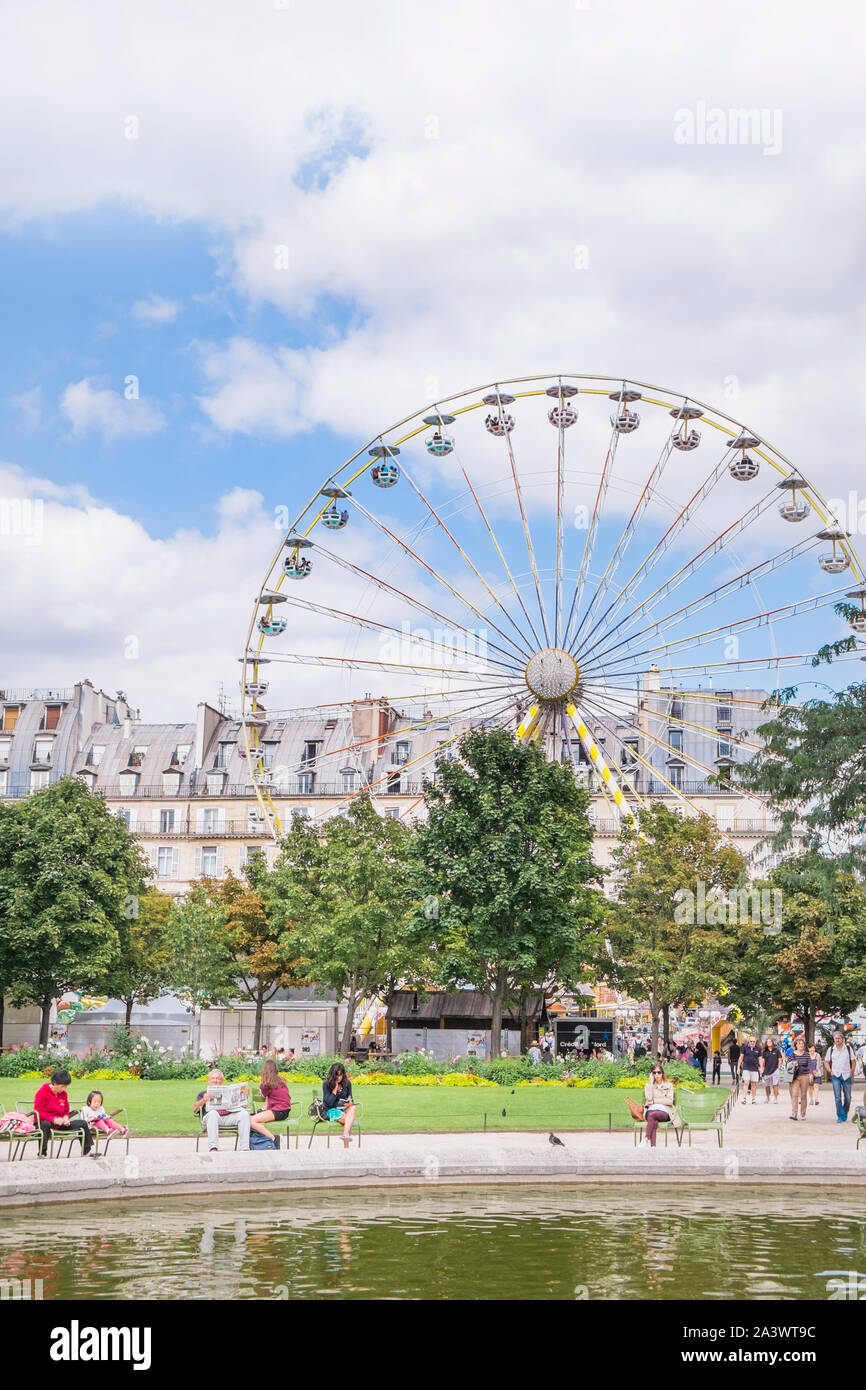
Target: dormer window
10,717
137,756
51,716
97,753
42,750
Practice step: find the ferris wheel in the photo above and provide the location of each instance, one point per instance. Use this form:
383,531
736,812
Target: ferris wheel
524,555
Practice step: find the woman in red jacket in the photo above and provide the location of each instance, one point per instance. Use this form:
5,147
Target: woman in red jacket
51,1104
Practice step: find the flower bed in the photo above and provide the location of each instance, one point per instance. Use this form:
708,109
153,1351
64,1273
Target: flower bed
129,1056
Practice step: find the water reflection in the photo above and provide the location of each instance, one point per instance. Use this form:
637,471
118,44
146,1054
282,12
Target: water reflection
449,1243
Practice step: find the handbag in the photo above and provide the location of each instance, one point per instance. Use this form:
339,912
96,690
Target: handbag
317,1110
636,1110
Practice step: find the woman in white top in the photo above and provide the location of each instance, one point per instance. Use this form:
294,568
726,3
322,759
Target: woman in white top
659,1107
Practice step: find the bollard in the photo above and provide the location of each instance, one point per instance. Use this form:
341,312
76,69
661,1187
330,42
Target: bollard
485,1122
609,1119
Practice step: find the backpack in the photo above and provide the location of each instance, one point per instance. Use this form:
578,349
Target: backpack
260,1141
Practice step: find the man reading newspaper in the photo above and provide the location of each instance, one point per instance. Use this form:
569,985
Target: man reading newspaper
225,1108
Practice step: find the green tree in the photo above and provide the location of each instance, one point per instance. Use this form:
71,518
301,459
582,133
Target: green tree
201,970
670,937
813,765
258,943
345,894
68,870
507,872
817,960
141,968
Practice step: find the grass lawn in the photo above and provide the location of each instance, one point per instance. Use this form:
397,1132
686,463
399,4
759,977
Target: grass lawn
165,1107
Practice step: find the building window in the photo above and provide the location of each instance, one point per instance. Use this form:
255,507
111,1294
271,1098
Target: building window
166,822
211,820
10,717
725,817
723,714
89,779
209,861
51,716
127,816
677,778
215,784
137,756
348,777
629,753
401,752
5,749
392,812
269,752
97,753
252,852
42,749
302,812
394,782
675,739
3,780
223,754
724,748
676,709
39,779
306,782
181,753
311,751
164,863
170,783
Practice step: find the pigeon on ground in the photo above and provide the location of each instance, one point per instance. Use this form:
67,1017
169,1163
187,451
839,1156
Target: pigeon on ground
553,1140
512,1093
503,1113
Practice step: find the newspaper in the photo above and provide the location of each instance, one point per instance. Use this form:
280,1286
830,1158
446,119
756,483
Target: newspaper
228,1098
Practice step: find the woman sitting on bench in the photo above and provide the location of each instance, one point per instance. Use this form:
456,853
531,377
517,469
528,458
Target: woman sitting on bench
278,1102
337,1100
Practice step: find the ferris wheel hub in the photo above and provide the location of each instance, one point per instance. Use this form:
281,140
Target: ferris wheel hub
552,674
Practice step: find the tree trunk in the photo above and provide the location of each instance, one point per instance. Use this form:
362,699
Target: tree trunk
388,1000
195,1033
128,1020
809,1025
654,1035
45,1021
496,1020
257,1028
666,1025
2,1014
524,1025
348,1028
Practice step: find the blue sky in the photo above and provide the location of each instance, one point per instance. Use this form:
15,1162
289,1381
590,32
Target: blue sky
324,220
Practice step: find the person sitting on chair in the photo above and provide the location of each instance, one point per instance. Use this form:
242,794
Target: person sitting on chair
337,1100
215,1120
51,1104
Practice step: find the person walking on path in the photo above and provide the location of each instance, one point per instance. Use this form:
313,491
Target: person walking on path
839,1065
799,1078
717,1068
816,1072
772,1060
734,1059
750,1065
701,1057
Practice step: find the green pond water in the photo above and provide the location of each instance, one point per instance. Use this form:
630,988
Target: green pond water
533,1242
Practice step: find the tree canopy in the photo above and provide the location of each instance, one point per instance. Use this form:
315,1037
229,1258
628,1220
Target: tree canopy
68,870
667,944
813,767
506,872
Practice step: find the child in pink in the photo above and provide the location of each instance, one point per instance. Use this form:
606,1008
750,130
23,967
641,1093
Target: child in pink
96,1115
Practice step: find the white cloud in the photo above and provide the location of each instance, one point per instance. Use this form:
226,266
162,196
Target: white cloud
87,408
31,406
155,309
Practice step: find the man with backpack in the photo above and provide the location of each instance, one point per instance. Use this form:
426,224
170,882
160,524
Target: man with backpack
839,1064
